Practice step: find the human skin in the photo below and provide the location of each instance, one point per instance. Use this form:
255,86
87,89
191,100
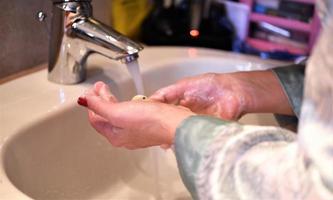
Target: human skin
228,96
133,124
139,124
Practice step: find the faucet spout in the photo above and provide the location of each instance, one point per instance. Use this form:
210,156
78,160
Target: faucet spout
75,34
99,38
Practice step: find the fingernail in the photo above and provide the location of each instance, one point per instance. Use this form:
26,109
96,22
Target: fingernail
82,101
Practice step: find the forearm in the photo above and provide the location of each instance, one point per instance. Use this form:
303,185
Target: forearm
264,93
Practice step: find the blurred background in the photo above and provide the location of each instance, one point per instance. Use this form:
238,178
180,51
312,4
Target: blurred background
272,29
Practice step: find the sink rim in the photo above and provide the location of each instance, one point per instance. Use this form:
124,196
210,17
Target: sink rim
45,97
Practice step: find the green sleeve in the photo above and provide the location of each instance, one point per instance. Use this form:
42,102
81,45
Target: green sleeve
189,148
292,80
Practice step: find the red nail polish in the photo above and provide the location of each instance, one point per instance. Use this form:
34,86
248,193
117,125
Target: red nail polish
82,101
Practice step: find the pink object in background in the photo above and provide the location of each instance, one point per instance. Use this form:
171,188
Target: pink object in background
282,22
312,28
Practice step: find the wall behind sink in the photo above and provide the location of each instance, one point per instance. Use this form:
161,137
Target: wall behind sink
23,39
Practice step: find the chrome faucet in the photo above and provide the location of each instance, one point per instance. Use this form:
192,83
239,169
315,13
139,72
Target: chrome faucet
75,34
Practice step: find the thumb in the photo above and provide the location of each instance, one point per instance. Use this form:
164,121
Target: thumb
104,108
171,94
103,90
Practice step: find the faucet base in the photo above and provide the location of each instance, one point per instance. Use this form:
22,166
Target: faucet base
68,75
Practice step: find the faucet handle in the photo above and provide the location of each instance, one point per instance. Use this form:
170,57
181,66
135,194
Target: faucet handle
74,6
68,1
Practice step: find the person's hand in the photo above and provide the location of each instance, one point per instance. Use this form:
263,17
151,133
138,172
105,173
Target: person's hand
228,96
133,124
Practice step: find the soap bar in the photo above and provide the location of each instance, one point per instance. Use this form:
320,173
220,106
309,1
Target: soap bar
139,98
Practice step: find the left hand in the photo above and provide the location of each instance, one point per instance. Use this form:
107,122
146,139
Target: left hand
133,124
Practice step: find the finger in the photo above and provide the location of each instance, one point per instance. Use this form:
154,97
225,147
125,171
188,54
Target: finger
111,133
106,109
103,90
82,101
99,123
97,86
171,94
99,89
191,104
105,93
89,92
184,103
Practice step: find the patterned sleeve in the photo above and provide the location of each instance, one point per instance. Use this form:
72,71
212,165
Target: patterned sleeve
213,157
223,160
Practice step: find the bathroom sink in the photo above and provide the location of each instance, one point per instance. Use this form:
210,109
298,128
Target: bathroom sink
62,157
49,151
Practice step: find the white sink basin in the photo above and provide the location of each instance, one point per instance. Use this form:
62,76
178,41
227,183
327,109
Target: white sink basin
49,151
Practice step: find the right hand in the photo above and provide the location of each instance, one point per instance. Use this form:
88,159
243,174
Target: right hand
228,96
133,124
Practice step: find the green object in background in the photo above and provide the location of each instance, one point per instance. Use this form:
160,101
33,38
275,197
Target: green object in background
128,15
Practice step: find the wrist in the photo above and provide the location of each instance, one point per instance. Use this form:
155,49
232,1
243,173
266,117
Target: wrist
243,92
175,122
264,93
